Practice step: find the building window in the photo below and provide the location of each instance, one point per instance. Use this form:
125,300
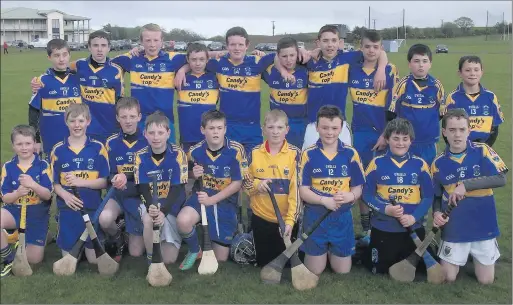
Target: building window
55,26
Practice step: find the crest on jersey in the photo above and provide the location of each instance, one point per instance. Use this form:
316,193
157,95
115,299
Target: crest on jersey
414,178
75,91
226,171
162,67
286,171
170,173
236,70
90,163
486,110
344,170
299,83
447,251
477,170
105,82
248,70
210,84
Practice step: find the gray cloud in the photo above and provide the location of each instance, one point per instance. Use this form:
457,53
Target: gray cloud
215,17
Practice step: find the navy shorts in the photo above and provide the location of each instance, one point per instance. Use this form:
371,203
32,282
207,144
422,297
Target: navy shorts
363,142
335,234
223,229
36,227
130,206
296,134
425,151
71,226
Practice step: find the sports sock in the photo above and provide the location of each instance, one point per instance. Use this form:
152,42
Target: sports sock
7,254
192,241
365,221
117,238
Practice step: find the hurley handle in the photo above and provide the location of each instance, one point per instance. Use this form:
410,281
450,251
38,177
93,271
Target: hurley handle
277,212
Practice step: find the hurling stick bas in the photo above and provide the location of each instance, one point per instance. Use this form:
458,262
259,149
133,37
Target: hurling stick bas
208,264
21,266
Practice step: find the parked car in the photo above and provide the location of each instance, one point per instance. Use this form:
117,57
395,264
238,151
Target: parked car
217,46
300,45
180,46
115,45
133,45
38,43
441,48
348,47
74,46
273,47
261,46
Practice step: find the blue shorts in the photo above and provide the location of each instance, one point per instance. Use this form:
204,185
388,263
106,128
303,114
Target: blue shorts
249,135
424,151
70,227
226,220
130,207
296,134
172,137
335,234
363,142
36,227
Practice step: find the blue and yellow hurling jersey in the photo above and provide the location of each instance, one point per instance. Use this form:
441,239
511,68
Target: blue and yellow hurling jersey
230,164
327,175
152,80
40,172
282,169
200,94
239,86
170,170
100,89
475,217
52,100
409,179
368,105
89,162
483,109
122,153
291,98
421,106
328,82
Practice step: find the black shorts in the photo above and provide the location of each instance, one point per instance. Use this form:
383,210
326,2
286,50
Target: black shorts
388,248
268,241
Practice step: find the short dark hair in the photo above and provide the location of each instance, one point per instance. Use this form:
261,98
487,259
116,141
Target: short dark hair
98,34
371,35
24,130
127,102
196,47
158,118
212,115
399,126
328,28
419,49
286,42
237,31
56,44
329,112
470,59
455,113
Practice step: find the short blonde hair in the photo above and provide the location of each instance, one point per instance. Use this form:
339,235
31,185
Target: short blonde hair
275,115
151,27
75,110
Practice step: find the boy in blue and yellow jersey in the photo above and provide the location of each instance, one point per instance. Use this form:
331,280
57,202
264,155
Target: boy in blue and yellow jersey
273,166
169,162
101,85
221,165
122,148
369,106
464,175
199,94
81,163
239,77
59,89
481,104
398,173
331,177
328,80
418,98
286,96
152,74
26,180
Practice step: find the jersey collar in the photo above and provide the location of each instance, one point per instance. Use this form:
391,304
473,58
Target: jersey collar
340,146
284,147
225,146
36,160
87,142
430,79
470,146
462,89
50,71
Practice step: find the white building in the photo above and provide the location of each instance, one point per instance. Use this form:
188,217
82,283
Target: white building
27,24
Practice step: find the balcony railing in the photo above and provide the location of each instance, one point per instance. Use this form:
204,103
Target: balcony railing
24,27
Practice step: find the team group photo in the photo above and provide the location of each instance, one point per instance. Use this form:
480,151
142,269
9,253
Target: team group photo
329,162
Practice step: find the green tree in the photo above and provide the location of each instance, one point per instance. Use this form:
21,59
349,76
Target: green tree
464,23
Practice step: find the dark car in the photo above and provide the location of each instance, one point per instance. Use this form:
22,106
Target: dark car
261,46
273,47
441,48
115,45
217,46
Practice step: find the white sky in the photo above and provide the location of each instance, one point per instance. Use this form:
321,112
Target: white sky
215,17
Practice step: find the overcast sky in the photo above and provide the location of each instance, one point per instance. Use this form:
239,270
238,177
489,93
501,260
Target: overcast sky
215,17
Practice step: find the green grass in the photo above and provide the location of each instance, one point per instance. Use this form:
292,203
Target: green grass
241,284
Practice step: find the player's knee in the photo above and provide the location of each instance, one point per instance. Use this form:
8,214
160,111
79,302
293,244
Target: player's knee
136,250
184,222
450,277
341,268
169,260
35,258
485,279
106,218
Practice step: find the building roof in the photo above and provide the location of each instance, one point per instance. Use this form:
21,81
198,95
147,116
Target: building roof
30,13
